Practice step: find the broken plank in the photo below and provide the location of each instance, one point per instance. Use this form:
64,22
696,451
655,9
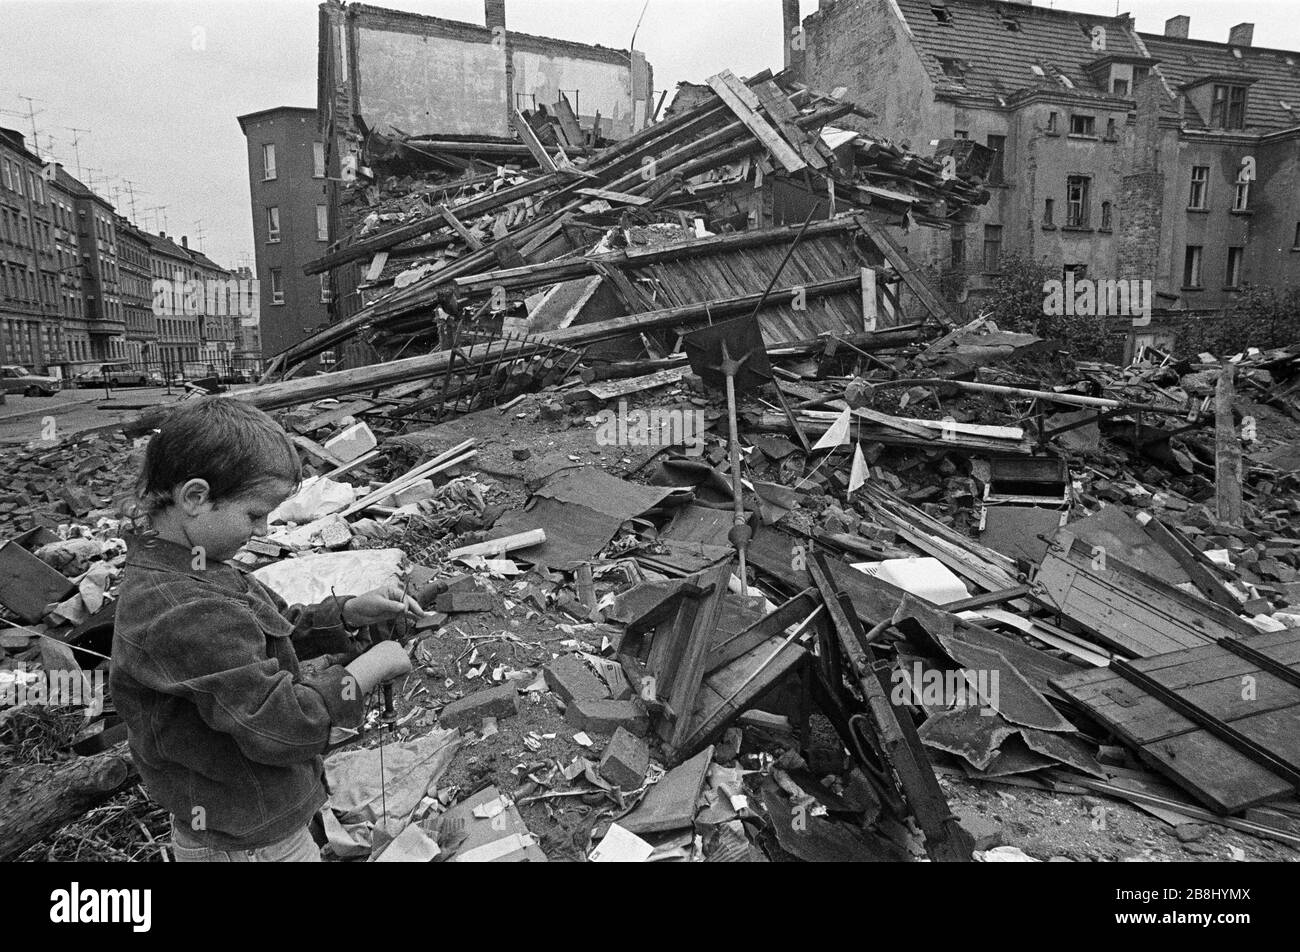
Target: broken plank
475,243
783,115
742,101
622,198
529,138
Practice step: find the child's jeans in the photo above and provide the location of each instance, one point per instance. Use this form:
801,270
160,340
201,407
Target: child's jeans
298,848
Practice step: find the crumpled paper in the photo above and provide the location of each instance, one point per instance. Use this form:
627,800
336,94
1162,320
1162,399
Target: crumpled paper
355,814
317,497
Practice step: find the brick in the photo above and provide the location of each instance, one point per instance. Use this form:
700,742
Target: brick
417,493
469,711
605,717
464,602
568,677
348,444
625,761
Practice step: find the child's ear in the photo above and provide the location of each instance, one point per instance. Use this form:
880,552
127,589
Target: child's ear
192,495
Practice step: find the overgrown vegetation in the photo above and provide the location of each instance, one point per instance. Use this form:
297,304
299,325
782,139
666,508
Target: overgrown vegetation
1262,316
1016,303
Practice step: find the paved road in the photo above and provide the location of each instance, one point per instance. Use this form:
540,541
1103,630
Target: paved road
23,419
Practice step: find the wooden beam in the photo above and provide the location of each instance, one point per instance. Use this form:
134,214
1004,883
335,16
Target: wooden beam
740,99
475,243
530,139
1227,452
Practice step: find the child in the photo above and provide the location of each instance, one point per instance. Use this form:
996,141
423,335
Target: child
225,726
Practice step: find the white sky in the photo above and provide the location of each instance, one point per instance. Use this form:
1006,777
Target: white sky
161,112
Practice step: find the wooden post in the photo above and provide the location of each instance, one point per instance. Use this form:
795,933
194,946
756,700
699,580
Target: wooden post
1227,453
870,309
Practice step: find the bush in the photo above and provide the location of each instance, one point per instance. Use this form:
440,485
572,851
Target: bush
1015,303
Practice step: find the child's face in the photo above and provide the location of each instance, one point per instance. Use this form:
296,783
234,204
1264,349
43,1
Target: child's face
223,528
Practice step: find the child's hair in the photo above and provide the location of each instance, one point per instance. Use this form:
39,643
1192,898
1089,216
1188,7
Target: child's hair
231,444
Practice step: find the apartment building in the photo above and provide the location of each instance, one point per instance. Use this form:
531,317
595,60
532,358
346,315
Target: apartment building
1117,154
31,262
286,174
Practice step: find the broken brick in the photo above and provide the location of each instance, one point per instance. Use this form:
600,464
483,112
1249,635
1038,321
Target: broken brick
625,761
463,602
568,677
469,711
605,717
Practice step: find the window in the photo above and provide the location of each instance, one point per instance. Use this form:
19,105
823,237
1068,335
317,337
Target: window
1083,126
1051,121
1234,267
1119,87
268,161
18,179
322,223
1105,216
1110,128
1296,242
1049,212
992,247
4,167
1079,271
958,245
960,134
1200,187
1192,267
325,295
1140,73
1241,198
941,13
318,159
1076,201
273,223
1228,108
277,287
997,170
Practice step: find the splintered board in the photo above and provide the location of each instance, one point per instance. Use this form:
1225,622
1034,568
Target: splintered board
1124,608
1239,723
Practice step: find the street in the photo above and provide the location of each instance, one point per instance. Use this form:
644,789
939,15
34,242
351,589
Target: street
24,419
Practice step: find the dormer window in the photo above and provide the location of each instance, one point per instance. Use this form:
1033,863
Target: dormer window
941,12
1010,23
1228,107
1120,87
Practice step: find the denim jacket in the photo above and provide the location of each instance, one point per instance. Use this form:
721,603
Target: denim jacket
226,730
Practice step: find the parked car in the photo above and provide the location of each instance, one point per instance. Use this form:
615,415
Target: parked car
18,379
118,375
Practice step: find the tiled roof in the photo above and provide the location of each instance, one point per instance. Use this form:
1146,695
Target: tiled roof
1185,61
994,60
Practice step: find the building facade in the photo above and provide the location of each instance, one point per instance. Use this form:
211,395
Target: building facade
1116,154
286,172
170,267
137,295
99,275
30,259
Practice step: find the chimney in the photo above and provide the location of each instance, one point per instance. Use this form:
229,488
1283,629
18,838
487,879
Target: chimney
796,43
494,13
185,242
1177,27
1241,34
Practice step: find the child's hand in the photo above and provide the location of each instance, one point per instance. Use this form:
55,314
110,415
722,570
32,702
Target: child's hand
384,662
380,605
